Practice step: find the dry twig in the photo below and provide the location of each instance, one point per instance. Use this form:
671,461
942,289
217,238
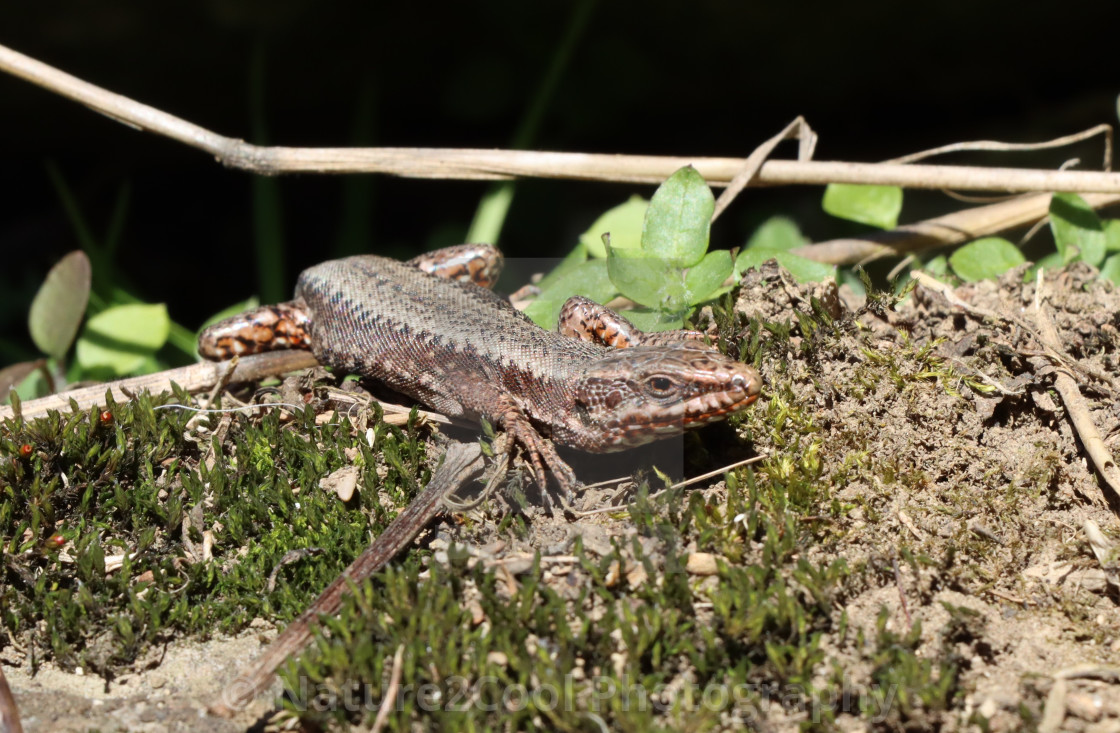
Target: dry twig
955,228
1065,366
466,164
1078,411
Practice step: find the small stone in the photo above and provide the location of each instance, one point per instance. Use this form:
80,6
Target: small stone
614,574
702,563
1085,706
342,482
636,575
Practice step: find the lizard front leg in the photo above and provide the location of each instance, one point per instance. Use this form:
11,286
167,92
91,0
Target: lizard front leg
542,454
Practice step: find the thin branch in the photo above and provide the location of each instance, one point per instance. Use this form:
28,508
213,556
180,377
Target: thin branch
194,378
467,164
1080,419
955,228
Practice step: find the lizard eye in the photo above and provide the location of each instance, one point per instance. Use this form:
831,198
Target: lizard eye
659,385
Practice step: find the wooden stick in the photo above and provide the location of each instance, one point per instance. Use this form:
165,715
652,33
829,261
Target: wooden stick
193,378
955,228
468,164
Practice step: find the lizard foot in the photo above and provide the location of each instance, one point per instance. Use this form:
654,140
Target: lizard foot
541,453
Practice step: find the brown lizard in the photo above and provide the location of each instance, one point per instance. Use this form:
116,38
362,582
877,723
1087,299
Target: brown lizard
431,329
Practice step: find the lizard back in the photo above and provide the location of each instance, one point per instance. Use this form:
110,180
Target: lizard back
448,344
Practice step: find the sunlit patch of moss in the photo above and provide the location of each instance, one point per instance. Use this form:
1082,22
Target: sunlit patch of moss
102,524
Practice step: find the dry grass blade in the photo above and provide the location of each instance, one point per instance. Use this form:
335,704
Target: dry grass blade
798,129
1078,411
995,145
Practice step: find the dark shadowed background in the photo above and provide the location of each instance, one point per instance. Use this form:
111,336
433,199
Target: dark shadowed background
703,78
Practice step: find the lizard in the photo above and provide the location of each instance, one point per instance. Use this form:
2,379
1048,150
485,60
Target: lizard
432,329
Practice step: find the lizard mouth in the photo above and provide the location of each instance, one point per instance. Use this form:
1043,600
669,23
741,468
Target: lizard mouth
714,406
669,420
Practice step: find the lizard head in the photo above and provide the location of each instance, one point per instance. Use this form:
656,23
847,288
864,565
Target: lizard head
645,393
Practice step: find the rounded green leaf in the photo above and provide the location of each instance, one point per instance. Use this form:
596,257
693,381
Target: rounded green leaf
1078,232
679,219
778,233
1110,270
649,281
623,223
1111,234
654,320
985,258
876,206
703,281
937,266
13,375
588,278
59,305
118,340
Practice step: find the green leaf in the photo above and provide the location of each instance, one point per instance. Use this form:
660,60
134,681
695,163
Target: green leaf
803,269
985,258
649,281
59,305
118,340
572,260
1078,232
852,280
33,385
679,219
777,233
1111,235
1050,261
705,279
1110,270
587,278
877,206
654,320
623,223
937,266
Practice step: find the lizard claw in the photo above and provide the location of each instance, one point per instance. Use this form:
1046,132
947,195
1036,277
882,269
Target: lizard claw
541,453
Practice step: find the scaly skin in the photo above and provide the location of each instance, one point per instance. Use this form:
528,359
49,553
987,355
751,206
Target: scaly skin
468,353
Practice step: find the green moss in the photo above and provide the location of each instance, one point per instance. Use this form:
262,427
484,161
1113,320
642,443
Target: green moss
123,486
593,644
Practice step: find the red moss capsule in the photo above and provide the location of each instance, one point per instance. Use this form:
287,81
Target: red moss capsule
106,417
56,540
25,450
